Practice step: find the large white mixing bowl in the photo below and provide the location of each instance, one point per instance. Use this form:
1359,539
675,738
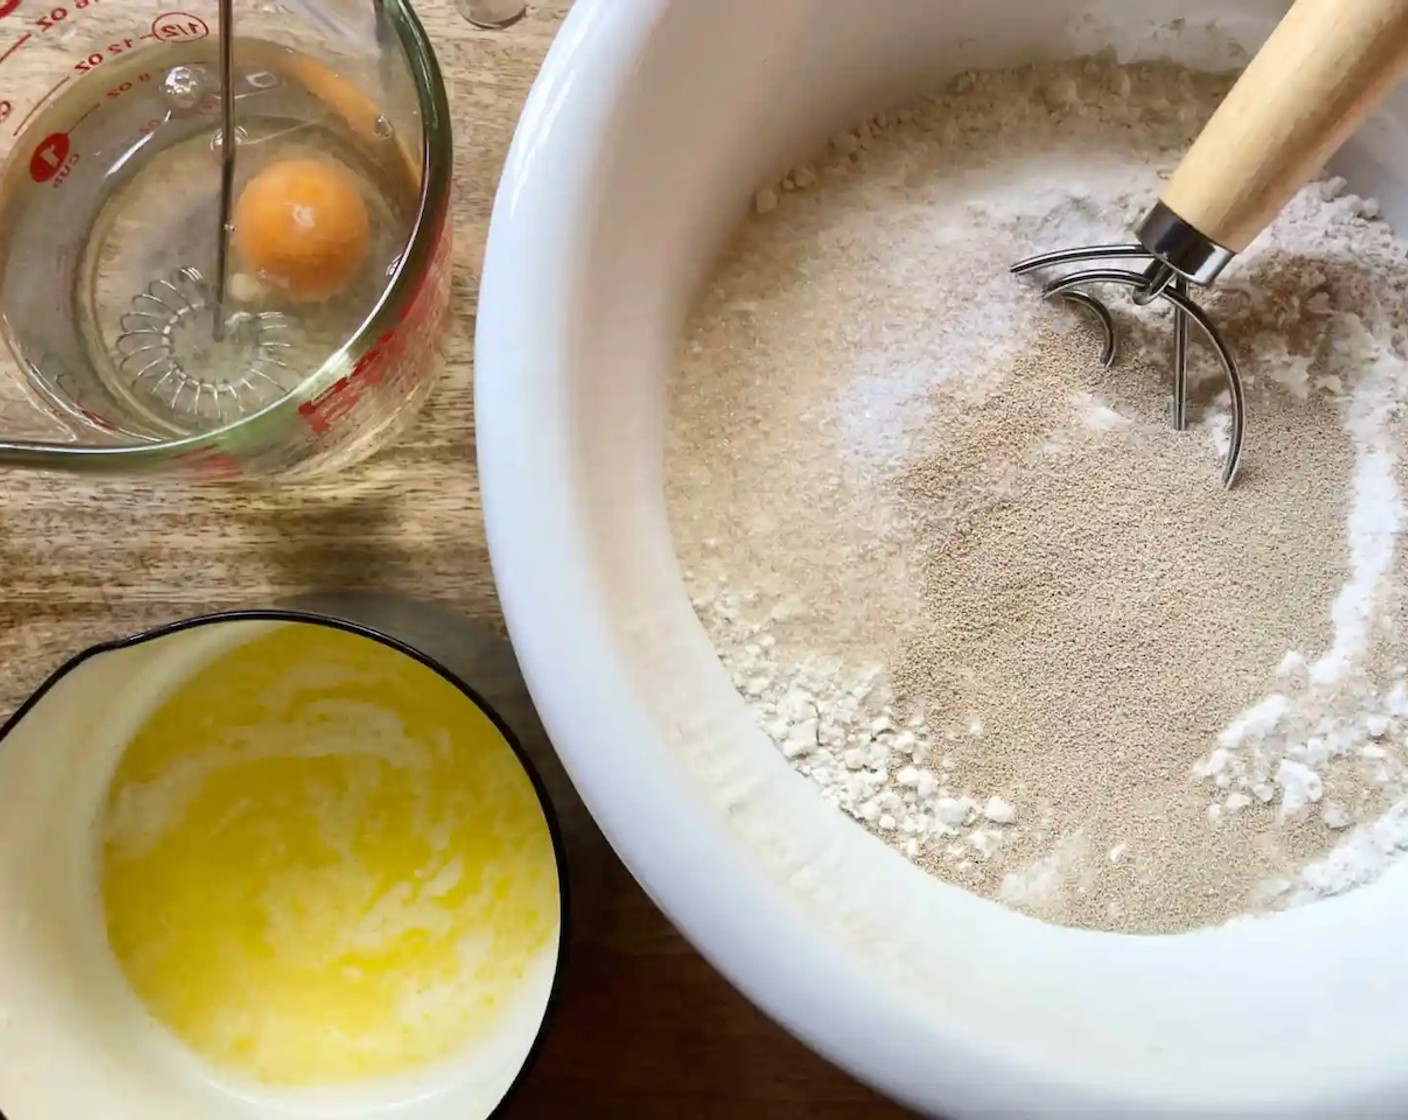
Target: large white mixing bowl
652,123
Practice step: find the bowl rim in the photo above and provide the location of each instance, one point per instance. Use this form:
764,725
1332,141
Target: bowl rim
729,909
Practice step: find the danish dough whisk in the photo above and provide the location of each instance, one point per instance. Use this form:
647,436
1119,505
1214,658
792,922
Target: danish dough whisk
1325,68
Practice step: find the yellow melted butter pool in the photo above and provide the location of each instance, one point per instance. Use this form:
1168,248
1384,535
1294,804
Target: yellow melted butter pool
320,862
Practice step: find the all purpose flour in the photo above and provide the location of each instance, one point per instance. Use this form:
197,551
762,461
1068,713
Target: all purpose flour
978,592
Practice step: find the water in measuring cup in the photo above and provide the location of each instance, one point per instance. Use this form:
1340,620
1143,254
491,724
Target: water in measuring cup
122,183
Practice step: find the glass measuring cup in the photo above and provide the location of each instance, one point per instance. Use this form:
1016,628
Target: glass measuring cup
110,114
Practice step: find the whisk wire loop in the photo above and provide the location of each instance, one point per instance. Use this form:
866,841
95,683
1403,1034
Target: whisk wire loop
1158,282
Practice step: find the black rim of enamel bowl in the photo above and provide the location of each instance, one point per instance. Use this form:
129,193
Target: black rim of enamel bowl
314,618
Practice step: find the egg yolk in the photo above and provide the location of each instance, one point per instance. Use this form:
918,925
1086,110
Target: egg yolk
302,226
321,863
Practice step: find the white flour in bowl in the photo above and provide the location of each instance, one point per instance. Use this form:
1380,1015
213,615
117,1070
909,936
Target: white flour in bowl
978,592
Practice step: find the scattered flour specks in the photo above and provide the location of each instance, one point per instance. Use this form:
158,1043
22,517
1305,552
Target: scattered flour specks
977,591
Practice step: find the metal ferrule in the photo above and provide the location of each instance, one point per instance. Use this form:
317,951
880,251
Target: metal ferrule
1170,239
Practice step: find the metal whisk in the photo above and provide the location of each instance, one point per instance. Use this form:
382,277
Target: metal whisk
1327,65
227,162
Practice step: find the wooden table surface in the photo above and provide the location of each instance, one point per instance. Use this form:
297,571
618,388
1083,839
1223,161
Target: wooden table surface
647,1029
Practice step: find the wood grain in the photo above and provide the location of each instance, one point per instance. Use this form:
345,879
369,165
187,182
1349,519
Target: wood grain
1325,68
649,1031
647,1028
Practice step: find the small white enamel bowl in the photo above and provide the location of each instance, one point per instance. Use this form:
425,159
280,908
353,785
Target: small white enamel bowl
76,1042
650,127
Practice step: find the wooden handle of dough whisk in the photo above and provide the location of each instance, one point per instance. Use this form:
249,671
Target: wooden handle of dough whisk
1325,68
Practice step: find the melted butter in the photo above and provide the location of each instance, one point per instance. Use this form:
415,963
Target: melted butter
321,863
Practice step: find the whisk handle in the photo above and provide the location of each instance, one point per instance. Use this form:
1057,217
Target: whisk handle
1325,68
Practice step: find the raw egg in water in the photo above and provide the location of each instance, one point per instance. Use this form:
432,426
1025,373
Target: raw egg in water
301,225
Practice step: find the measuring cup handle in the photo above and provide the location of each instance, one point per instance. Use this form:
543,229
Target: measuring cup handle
1326,67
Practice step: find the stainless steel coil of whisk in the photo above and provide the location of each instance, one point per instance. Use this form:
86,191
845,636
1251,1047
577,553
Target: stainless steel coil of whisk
1323,70
168,341
161,348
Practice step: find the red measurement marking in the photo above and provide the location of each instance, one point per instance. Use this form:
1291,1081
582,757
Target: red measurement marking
97,419
16,45
126,87
49,155
398,350
179,26
321,414
96,59
88,112
7,7
217,468
415,306
207,463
